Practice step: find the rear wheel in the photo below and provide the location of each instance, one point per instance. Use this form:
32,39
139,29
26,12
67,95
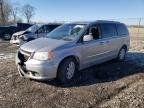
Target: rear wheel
67,70
122,54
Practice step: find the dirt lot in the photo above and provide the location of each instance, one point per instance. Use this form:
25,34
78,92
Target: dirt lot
109,85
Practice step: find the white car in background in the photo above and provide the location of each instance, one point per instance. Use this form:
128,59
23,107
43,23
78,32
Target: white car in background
34,32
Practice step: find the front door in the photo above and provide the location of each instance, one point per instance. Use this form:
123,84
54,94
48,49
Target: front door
92,51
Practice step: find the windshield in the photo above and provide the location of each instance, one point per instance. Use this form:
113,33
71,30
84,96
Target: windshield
33,28
67,32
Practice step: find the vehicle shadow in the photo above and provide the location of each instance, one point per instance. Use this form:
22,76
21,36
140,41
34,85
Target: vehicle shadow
106,72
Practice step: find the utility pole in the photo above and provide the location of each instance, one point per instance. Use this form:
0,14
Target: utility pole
139,26
2,12
138,34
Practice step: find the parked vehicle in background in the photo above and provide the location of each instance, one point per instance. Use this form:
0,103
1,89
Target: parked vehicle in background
7,31
72,47
34,32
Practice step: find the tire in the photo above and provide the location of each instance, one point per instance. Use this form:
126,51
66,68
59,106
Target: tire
67,70
7,36
122,54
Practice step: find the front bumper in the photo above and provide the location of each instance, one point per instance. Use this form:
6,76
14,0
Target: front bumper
14,41
17,41
39,70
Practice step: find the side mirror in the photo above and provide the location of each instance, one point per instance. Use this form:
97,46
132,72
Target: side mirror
87,38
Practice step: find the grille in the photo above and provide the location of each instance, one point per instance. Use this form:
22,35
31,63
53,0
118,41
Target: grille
23,56
14,37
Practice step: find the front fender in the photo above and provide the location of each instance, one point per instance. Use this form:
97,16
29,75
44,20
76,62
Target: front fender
67,53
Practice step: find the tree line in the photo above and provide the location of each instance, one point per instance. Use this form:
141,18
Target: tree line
11,13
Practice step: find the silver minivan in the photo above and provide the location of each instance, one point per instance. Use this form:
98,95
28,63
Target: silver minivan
72,47
33,32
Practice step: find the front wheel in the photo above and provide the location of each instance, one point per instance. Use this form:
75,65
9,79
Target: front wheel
7,36
122,54
67,70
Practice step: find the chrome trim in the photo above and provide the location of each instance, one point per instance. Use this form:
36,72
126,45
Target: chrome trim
99,54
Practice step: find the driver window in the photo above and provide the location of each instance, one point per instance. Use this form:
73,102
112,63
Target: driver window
94,31
43,29
40,30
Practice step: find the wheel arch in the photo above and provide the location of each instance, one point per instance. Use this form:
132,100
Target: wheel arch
125,46
76,58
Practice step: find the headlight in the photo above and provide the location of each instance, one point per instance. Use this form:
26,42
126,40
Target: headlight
43,55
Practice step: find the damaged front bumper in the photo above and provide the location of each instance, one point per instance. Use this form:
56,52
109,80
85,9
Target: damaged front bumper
34,69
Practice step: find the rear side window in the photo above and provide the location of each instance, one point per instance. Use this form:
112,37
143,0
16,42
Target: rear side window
108,30
122,29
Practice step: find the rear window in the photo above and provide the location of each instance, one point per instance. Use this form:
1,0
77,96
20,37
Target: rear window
122,29
108,30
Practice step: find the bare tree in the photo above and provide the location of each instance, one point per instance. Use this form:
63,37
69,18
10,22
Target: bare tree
14,11
2,18
7,11
4,11
28,12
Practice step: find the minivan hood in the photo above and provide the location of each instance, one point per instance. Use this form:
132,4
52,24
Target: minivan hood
21,33
42,44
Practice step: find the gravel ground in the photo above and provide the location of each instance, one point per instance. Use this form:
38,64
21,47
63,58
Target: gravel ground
109,85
